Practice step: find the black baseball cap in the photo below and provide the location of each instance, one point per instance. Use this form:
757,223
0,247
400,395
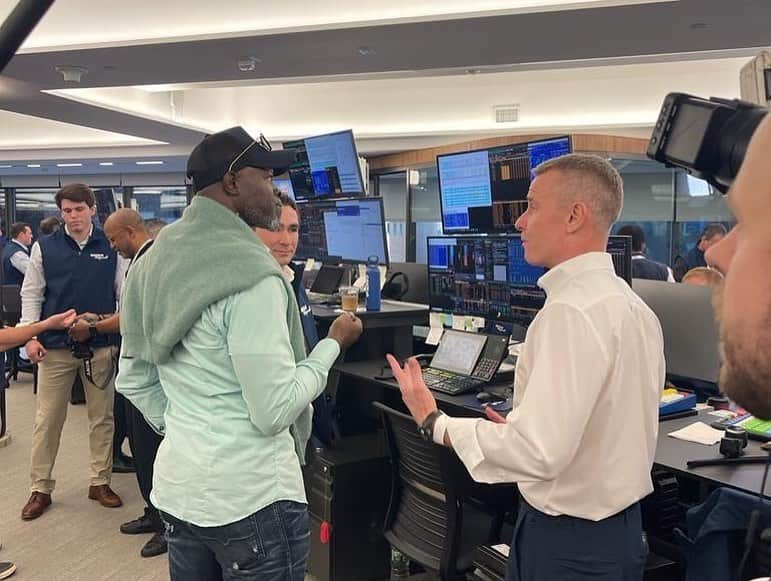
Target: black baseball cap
231,150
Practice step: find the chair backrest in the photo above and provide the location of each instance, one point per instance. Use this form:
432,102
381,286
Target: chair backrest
10,303
424,514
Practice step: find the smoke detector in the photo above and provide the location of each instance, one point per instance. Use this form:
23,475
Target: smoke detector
247,64
70,73
506,113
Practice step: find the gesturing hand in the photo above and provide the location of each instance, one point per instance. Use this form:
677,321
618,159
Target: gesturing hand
417,397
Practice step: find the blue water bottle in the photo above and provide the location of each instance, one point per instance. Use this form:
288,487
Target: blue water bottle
373,284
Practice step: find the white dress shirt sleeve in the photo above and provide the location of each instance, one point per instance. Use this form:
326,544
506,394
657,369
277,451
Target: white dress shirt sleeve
20,261
542,435
33,288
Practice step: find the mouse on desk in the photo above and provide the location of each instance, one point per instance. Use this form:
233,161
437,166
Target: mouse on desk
487,397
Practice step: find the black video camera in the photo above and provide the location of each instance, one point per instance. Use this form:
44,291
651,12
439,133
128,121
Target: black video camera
707,137
80,350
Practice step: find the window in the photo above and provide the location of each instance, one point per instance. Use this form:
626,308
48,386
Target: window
392,188
426,211
163,203
698,205
649,203
34,204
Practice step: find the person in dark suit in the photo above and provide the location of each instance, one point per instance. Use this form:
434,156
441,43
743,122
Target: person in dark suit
642,266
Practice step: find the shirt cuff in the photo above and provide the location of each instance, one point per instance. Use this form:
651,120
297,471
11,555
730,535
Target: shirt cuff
465,441
440,428
326,352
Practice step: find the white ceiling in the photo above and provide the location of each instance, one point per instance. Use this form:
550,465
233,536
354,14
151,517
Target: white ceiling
401,74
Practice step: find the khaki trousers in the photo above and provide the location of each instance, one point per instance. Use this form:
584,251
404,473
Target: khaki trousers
56,374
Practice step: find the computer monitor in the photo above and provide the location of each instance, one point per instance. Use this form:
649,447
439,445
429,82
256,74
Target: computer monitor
345,230
620,250
284,184
486,190
691,335
327,166
487,276
483,276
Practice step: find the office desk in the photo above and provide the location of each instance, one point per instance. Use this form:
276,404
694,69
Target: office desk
357,388
672,454
388,330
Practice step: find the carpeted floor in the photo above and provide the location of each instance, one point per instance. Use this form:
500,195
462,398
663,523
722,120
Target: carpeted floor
76,538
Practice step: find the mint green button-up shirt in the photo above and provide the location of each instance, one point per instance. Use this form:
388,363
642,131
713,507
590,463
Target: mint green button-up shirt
224,402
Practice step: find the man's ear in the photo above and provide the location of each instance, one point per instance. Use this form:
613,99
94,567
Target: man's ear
229,184
579,214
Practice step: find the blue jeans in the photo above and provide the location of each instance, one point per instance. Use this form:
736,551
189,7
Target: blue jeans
269,545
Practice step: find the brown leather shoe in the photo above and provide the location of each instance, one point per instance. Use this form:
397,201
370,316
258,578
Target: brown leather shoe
37,503
104,494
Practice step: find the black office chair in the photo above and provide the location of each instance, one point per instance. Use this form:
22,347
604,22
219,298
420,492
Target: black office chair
10,309
434,515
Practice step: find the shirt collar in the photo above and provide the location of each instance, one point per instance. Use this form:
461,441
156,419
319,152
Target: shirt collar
24,246
564,272
288,273
85,241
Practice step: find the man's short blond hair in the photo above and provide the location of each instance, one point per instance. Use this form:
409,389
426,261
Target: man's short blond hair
701,273
596,180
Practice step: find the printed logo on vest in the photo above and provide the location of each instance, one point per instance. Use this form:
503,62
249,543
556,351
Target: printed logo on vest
99,256
305,309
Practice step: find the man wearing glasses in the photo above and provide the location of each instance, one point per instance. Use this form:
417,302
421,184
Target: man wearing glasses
214,357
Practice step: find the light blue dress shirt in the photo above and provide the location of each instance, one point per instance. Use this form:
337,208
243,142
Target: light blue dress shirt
224,402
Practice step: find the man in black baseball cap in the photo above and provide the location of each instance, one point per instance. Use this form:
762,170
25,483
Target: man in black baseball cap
214,357
243,168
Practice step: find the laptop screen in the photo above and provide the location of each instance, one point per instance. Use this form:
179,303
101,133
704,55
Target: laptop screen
458,352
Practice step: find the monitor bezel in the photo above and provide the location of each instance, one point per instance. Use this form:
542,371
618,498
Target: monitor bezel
439,181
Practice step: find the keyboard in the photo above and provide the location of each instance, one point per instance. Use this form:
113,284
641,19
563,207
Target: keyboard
450,383
756,428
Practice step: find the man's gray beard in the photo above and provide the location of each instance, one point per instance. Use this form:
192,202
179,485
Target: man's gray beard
256,219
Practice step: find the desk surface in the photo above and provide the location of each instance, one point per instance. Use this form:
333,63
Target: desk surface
673,454
465,404
393,312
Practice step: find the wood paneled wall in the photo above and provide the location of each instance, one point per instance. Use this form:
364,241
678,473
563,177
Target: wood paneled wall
581,143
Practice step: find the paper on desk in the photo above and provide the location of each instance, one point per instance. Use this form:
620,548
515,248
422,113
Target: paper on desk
309,263
502,549
477,323
700,433
461,322
436,328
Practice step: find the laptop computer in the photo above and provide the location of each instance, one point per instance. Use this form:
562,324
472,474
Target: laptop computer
326,283
465,361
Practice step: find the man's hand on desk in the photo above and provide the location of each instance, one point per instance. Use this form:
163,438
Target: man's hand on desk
417,397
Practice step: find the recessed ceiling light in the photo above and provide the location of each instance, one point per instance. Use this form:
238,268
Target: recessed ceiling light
33,165
69,165
149,163
106,163
5,166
